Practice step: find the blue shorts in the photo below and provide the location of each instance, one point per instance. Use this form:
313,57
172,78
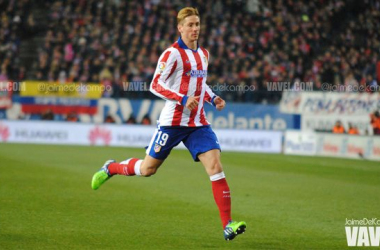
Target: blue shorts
198,140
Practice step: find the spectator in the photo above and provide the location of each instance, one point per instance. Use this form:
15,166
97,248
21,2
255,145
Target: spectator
48,115
72,117
338,128
109,119
146,120
131,120
352,130
375,122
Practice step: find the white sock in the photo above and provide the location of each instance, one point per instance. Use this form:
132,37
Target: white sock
137,167
218,176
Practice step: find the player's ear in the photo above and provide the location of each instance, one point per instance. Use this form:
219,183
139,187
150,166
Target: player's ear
179,27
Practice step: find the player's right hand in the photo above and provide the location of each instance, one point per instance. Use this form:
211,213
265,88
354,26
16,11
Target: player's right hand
192,102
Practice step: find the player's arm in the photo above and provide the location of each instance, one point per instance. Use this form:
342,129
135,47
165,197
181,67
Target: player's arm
167,65
213,99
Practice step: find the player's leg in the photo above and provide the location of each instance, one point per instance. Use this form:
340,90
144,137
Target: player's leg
159,148
204,146
221,191
135,166
150,166
129,167
146,167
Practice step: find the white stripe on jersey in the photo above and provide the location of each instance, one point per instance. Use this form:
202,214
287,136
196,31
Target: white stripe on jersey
201,104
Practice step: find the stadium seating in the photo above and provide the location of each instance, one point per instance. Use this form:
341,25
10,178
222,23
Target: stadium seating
251,42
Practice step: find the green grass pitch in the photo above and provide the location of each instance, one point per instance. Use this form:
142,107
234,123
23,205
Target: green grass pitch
288,202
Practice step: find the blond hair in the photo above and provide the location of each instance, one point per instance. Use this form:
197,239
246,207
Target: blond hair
185,12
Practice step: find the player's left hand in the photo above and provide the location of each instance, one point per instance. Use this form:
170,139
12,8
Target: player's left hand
219,103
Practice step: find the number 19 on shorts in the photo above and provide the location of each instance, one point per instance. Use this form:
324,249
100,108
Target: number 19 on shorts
162,138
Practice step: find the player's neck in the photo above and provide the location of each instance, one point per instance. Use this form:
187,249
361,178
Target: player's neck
191,44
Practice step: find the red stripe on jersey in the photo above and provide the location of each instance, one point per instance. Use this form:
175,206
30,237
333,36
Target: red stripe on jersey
207,97
166,56
184,87
202,118
197,90
172,71
167,93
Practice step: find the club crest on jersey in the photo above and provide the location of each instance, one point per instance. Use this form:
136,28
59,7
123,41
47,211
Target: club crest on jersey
205,60
196,73
157,148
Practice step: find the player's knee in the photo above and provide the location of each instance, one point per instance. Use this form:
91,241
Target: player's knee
215,168
149,171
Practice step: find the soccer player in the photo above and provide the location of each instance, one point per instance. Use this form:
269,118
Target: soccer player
180,79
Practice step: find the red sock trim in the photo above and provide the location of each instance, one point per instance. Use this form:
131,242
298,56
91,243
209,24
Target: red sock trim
123,169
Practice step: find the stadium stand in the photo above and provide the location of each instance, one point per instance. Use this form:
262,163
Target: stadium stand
251,42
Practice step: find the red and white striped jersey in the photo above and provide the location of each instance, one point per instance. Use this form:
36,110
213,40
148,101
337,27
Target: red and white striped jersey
182,72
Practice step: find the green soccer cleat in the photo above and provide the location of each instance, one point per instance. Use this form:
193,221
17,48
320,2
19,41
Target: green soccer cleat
234,228
101,176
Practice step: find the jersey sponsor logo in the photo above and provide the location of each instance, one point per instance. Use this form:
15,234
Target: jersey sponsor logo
196,73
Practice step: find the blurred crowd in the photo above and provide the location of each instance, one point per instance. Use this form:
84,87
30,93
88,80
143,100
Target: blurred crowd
16,21
251,43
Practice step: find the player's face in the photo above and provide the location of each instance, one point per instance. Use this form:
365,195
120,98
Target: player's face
189,28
